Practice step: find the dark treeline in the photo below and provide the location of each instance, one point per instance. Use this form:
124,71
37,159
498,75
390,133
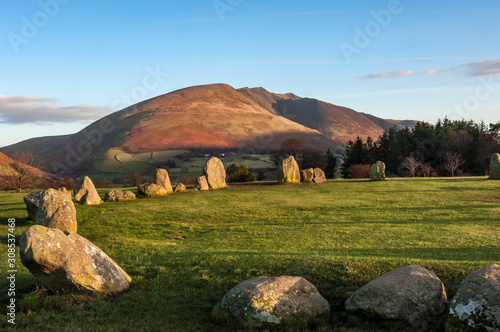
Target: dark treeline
449,148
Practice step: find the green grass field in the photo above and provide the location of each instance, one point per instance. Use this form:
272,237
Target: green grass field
185,251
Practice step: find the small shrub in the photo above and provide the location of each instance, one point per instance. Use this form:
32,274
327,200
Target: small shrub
359,171
237,173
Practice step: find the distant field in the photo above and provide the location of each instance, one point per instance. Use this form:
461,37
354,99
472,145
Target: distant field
117,163
185,251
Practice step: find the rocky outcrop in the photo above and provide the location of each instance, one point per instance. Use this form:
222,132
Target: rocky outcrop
495,167
180,188
85,193
377,171
215,173
412,294
65,261
163,180
288,171
56,210
307,175
476,304
270,300
200,183
319,176
32,200
151,190
119,196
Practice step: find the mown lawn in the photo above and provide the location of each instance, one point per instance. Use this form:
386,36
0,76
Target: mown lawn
185,251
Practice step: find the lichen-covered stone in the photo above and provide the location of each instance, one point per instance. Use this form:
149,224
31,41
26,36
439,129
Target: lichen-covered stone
495,167
270,300
151,190
215,173
163,180
56,210
85,193
180,188
32,200
65,261
319,176
477,301
307,175
288,171
119,196
412,294
200,183
377,171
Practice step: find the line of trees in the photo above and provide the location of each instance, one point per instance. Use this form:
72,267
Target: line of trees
306,157
449,148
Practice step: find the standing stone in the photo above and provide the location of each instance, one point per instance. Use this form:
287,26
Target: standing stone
377,171
151,190
412,294
288,170
495,167
477,302
319,175
200,183
56,210
162,179
307,175
269,300
32,200
85,193
65,261
180,188
119,196
215,173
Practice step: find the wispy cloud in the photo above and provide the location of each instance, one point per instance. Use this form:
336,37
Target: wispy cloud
432,72
39,110
481,68
388,74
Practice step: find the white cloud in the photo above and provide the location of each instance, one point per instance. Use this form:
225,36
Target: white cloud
482,68
388,74
39,110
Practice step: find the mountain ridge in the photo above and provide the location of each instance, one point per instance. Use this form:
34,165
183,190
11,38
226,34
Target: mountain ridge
215,116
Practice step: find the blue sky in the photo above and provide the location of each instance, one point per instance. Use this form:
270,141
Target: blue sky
65,63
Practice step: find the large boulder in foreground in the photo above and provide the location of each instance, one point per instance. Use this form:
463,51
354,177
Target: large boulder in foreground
377,171
477,301
319,176
200,183
56,210
495,167
119,196
215,173
288,170
32,200
270,300
163,180
412,294
151,190
85,193
65,261
307,175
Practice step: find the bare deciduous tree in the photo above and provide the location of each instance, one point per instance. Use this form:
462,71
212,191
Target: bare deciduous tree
426,169
25,174
453,161
411,164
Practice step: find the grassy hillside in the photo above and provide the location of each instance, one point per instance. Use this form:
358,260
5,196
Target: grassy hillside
185,251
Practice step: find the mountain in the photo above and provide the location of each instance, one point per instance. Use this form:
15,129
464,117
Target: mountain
388,123
214,116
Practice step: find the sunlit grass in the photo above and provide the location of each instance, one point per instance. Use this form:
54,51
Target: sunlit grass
185,251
